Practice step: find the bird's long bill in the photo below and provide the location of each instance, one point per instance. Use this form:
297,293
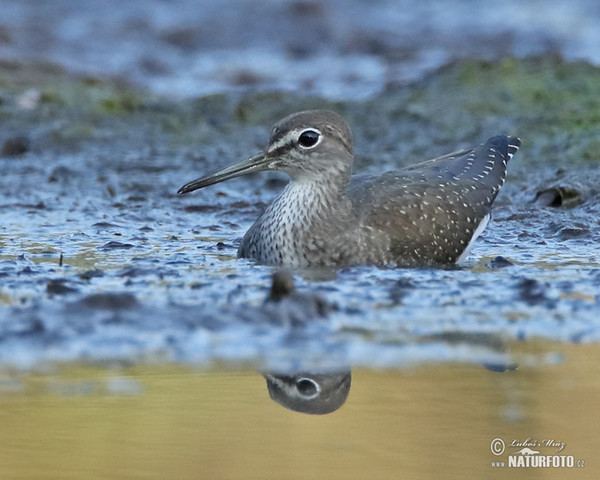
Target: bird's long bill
252,164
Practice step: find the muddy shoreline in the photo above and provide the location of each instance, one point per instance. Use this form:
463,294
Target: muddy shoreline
89,210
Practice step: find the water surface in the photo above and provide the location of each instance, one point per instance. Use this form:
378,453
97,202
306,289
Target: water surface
422,422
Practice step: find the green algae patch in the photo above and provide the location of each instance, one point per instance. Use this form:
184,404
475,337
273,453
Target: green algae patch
51,86
120,103
553,105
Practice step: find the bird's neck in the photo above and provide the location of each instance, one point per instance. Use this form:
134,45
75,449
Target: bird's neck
305,217
303,202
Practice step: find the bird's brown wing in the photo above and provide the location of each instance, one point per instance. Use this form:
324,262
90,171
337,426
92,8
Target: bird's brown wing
429,212
485,163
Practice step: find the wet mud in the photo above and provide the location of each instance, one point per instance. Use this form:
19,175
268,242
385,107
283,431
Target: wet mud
100,260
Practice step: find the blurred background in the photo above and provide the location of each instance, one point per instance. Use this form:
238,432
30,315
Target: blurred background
339,48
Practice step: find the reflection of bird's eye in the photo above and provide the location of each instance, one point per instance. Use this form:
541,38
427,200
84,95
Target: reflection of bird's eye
307,388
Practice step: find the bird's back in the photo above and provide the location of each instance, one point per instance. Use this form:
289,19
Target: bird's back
428,213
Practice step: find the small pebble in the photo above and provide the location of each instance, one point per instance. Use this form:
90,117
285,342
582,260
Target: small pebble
499,262
15,147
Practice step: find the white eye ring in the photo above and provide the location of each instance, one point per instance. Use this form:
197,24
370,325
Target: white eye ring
308,388
309,138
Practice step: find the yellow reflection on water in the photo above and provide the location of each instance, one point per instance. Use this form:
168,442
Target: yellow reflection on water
426,422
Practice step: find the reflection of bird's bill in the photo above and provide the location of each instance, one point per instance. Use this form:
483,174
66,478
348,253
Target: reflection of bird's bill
309,393
255,163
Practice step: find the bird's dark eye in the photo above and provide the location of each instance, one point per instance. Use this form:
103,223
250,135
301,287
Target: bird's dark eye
309,138
307,388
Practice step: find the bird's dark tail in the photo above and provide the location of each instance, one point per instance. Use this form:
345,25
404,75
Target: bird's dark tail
487,163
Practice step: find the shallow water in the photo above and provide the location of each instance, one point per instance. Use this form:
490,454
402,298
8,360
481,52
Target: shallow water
430,421
140,277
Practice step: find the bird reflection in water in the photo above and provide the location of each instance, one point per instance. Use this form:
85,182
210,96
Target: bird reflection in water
321,392
313,393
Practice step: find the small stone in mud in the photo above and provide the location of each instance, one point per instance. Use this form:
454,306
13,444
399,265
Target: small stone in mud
116,245
106,225
529,236
109,301
239,204
499,262
282,286
569,233
202,208
58,287
532,291
61,174
558,196
14,147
